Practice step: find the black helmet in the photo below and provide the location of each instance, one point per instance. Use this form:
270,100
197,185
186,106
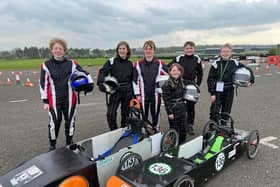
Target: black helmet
160,82
241,77
191,92
81,82
110,84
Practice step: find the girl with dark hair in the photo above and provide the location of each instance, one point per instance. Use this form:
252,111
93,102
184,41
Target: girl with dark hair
173,93
121,68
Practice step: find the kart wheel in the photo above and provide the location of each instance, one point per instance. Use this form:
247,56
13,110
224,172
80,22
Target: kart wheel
169,140
253,144
129,161
226,120
184,181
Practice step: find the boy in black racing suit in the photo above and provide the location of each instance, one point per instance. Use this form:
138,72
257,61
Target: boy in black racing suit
56,92
220,83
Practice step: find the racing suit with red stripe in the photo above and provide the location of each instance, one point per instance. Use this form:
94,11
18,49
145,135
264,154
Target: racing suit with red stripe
55,89
144,85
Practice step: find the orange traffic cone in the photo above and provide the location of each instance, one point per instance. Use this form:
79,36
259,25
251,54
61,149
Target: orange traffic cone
18,79
28,83
267,67
257,70
9,82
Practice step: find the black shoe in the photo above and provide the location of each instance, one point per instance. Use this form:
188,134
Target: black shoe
52,147
191,132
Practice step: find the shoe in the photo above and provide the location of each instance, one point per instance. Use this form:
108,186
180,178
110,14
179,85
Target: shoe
52,147
191,132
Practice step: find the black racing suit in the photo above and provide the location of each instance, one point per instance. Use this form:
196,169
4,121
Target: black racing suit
56,90
222,71
192,72
122,70
173,93
144,85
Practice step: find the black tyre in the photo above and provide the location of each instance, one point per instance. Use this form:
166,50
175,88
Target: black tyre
169,140
128,161
226,120
184,181
209,131
253,144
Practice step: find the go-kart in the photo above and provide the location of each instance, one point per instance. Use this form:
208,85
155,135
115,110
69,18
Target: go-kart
92,161
193,162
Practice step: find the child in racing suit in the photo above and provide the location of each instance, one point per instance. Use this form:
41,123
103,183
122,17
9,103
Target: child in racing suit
173,92
220,83
58,96
121,68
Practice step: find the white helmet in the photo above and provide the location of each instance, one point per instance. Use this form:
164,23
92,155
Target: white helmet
241,77
191,92
111,84
160,82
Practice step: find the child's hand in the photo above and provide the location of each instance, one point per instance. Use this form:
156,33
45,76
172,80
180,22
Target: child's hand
171,116
249,84
212,98
46,107
139,98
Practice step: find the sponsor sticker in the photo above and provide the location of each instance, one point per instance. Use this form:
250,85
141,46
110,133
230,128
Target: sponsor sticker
26,176
160,168
102,163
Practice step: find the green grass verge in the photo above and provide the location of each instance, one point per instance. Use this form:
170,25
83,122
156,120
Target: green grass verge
23,64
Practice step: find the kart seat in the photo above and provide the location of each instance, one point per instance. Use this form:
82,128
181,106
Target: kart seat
213,147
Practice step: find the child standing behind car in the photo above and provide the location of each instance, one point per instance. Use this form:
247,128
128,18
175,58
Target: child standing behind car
173,93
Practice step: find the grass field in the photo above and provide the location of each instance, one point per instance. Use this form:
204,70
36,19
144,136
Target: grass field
23,64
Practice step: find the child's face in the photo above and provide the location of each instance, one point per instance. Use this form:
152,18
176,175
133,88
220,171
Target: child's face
149,51
122,51
58,50
175,72
189,50
225,53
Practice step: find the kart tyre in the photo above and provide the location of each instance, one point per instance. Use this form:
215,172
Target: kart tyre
128,161
227,122
169,140
209,131
184,181
253,144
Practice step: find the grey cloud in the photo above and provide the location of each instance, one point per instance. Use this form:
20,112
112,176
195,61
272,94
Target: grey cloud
107,23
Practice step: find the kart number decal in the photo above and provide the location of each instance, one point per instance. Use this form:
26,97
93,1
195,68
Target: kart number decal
160,168
129,163
220,161
26,176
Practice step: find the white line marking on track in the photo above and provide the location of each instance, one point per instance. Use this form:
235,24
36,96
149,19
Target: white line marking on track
257,76
278,72
265,141
18,101
268,74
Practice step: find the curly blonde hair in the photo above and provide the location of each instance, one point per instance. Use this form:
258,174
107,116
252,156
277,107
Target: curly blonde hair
60,41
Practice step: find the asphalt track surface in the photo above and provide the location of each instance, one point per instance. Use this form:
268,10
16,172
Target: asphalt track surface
23,125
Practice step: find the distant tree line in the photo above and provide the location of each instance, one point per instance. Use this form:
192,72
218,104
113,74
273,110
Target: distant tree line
35,52
163,52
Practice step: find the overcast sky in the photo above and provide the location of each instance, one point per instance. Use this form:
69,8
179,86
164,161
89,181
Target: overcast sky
101,24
